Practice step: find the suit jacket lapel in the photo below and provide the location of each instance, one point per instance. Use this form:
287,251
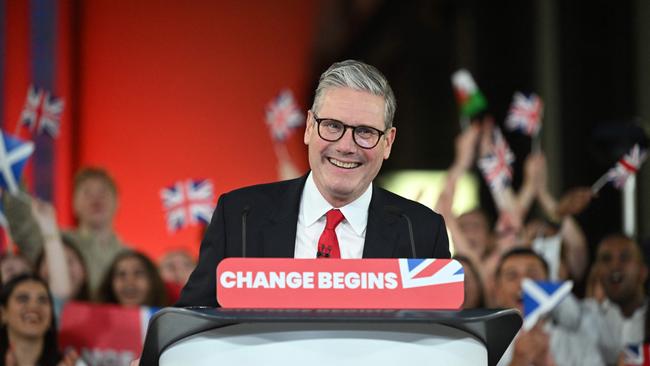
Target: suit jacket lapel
279,233
382,231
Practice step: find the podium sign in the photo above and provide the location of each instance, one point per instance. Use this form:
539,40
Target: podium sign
340,283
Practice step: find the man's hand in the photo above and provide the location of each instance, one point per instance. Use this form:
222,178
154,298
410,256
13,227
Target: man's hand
532,348
574,201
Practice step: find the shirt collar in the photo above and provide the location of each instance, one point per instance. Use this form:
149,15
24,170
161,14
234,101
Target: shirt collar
313,206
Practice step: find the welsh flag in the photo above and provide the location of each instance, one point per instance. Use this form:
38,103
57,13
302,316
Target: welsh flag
469,97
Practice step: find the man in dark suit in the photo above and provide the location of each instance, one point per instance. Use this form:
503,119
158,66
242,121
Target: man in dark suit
290,218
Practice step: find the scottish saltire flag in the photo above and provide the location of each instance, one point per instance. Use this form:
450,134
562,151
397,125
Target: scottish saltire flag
283,115
626,166
104,334
188,202
525,114
13,157
540,297
469,97
636,355
428,272
42,112
495,166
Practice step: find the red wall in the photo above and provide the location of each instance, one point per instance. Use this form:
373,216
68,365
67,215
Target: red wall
177,89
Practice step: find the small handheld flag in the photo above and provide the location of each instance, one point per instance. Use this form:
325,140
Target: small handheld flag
495,166
626,166
469,97
188,202
283,115
636,355
525,114
540,298
13,157
42,112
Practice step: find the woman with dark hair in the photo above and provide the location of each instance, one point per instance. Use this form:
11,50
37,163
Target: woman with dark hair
28,331
133,280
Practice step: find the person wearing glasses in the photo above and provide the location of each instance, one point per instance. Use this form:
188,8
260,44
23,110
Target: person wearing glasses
335,211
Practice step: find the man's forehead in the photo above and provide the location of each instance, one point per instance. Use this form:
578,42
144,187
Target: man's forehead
618,245
526,262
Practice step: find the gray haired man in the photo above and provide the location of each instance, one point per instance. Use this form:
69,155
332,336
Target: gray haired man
335,210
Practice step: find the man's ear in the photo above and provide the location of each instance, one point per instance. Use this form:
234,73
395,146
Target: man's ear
390,138
309,127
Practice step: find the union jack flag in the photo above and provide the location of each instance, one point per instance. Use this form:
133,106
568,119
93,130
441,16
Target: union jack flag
496,165
13,157
628,165
42,112
283,115
429,272
525,114
636,355
188,202
540,297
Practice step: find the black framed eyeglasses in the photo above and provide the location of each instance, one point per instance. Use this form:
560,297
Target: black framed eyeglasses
332,130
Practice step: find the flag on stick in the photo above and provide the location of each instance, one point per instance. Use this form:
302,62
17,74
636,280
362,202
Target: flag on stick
13,157
41,112
495,166
541,297
626,166
525,114
283,115
188,202
469,97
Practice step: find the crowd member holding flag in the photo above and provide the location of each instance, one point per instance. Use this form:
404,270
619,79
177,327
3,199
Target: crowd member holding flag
619,320
544,343
334,211
95,204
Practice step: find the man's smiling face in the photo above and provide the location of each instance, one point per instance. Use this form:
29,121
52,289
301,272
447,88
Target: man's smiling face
342,170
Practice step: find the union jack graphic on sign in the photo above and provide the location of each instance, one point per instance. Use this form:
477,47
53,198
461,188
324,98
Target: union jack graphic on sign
636,355
188,202
496,166
283,115
429,272
525,114
42,112
628,165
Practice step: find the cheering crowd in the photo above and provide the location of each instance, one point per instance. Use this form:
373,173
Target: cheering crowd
607,326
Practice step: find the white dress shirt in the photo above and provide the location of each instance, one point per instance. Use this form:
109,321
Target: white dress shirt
351,232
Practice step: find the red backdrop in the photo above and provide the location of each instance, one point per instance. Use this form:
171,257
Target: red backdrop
164,91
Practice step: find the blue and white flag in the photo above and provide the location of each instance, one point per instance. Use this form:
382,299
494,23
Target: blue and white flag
540,297
13,157
188,202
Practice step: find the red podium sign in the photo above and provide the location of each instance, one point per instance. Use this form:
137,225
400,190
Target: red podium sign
340,283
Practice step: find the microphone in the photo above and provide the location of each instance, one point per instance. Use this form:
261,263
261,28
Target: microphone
396,211
244,217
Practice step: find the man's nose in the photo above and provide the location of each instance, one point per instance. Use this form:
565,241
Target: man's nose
346,142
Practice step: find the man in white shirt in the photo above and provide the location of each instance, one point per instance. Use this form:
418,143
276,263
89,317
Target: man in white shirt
334,211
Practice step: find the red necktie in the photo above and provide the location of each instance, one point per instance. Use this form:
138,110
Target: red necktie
328,244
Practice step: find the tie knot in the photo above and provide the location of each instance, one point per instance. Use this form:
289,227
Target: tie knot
334,217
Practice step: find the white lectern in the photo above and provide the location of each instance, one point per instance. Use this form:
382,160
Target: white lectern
211,336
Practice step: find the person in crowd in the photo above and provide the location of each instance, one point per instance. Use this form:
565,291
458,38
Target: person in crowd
349,133
175,268
69,279
28,333
12,265
133,280
95,205
545,344
473,286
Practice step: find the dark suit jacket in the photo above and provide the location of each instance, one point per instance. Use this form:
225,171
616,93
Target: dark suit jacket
271,219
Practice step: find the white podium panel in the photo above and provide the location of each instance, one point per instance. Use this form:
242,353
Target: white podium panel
331,344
